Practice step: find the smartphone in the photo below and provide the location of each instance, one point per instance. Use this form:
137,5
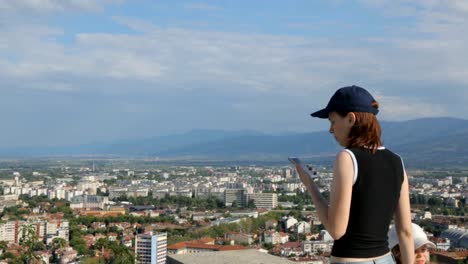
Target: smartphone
307,168
294,160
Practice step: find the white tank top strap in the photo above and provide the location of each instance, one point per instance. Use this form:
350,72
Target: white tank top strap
355,165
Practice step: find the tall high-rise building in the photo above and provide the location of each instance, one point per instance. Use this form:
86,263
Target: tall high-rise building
151,248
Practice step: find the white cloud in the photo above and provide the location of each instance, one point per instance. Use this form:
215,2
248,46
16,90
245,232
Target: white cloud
45,6
459,5
433,46
231,63
158,71
398,108
259,62
135,24
202,7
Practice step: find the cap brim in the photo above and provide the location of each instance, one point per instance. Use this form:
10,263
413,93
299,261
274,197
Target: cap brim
321,113
421,242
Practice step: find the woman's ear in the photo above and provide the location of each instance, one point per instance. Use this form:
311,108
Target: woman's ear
351,118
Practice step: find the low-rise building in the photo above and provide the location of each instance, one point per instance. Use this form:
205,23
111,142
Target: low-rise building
301,228
274,237
89,202
240,238
67,255
288,222
316,246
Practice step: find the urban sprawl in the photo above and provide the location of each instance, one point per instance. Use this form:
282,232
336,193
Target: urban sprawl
189,214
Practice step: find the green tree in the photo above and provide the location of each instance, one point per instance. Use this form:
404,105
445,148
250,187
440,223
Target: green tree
78,244
3,245
58,243
435,201
8,255
246,225
268,246
28,240
122,254
296,214
92,260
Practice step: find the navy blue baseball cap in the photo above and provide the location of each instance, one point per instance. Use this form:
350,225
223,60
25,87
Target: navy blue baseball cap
349,99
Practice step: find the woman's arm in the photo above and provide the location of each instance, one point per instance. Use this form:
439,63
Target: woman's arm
403,224
336,215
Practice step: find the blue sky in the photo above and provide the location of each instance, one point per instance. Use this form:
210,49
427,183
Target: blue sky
78,71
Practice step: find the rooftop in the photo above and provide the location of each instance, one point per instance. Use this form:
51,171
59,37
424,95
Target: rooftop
196,245
251,256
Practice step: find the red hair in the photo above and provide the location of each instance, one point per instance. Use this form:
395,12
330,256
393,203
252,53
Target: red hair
366,131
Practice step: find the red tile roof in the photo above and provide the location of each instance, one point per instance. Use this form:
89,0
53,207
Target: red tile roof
233,247
452,254
177,246
291,245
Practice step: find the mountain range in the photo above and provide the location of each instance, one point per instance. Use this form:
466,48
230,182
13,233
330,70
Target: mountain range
427,142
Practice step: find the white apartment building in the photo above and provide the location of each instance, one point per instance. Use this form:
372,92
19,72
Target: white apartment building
235,195
46,230
117,192
291,186
151,248
8,231
288,222
264,200
271,237
243,196
302,227
129,192
72,193
9,197
56,228
287,172
89,186
274,237
89,201
316,246
60,193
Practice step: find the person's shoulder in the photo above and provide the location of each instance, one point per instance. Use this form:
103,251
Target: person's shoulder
391,153
394,157
344,165
344,155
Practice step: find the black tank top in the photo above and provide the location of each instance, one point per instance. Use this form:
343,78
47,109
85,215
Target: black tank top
374,198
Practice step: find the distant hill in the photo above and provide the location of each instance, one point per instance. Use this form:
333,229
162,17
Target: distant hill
428,142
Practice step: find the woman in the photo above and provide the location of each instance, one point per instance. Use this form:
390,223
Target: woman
421,245
369,184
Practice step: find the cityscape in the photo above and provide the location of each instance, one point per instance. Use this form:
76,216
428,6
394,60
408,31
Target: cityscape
198,131
80,212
